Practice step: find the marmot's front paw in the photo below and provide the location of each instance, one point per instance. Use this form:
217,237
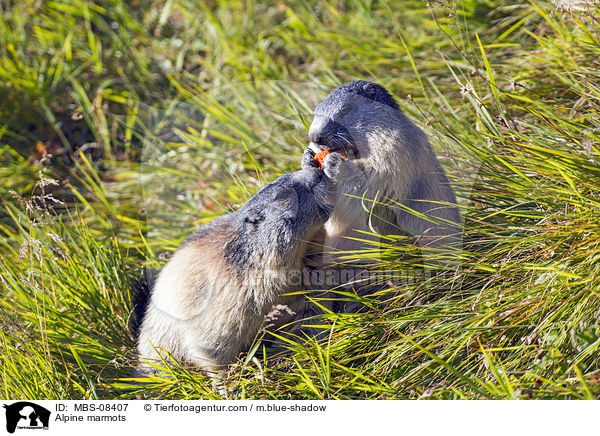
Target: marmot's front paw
332,165
308,159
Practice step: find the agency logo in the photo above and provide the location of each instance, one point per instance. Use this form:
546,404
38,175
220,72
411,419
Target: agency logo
26,415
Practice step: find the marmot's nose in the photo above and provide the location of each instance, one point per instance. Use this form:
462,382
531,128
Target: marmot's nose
317,130
317,138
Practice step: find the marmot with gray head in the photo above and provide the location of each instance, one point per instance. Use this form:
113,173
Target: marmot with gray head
212,296
387,158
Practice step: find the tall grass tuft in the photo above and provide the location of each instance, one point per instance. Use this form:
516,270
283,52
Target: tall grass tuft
125,125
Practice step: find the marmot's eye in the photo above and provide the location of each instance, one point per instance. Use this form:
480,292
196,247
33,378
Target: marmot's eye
253,217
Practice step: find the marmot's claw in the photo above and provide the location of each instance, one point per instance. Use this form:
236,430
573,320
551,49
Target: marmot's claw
308,159
332,164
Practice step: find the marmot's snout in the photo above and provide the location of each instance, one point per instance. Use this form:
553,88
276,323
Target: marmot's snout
327,134
318,192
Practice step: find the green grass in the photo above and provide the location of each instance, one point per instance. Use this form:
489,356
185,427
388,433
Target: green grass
155,117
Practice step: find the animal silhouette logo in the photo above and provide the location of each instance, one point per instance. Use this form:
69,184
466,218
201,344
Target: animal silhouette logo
27,415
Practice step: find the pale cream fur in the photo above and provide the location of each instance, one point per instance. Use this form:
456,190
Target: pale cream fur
385,175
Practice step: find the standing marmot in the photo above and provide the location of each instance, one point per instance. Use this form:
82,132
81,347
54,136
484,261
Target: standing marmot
387,158
210,299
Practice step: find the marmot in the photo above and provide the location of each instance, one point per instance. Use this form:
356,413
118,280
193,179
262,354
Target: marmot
212,296
387,157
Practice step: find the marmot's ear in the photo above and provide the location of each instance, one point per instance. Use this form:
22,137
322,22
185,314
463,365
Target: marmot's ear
370,91
253,217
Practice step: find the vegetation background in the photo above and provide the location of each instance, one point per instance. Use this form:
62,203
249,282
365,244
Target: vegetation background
126,124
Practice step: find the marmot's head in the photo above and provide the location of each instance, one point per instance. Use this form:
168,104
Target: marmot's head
273,227
352,113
